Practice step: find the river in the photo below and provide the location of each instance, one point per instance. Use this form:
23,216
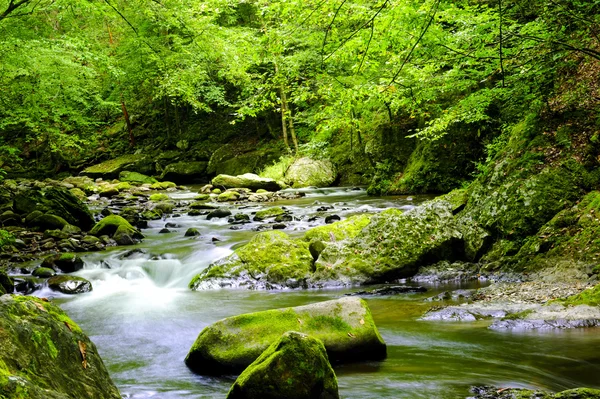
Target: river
143,319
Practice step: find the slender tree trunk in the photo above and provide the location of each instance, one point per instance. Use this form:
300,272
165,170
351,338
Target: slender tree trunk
292,129
284,123
167,119
128,122
501,42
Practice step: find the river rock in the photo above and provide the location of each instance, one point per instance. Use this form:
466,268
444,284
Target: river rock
135,177
294,367
185,172
192,232
69,284
6,282
111,169
345,326
218,214
43,272
45,355
487,392
270,260
116,226
248,180
66,262
392,290
307,172
393,245
338,231
268,213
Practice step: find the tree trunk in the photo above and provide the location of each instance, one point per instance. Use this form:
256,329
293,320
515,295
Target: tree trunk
128,122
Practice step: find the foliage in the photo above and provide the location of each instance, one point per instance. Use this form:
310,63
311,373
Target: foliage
6,238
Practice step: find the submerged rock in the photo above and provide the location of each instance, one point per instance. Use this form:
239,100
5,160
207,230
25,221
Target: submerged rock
487,392
70,285
294,367
45,355
393,245
248,180
270,260
345,326
393,290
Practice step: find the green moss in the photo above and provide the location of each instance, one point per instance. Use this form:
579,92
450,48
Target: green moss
164,185
6,238
345,326
113,166
123,186
110,224
268,213
294,366
228,196
589,297
159,197
135,177
342,230
270,257
202,197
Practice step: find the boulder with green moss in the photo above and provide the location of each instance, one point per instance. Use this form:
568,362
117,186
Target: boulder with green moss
306,172
69,285
270,260
114,225
185,172
48,221
66,262
345,326
228,196
111,169
159,197
393,245
269,213
55,201
293,367
6,282
45,355
338,231
248,180
135,177
163,185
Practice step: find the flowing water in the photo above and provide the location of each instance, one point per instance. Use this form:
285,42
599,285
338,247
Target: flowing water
143,319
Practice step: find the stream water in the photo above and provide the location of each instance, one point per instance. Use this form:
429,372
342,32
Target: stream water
143,319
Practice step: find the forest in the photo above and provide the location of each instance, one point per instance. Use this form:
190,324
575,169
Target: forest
299,199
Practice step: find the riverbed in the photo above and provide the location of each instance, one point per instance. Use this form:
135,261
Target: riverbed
144,319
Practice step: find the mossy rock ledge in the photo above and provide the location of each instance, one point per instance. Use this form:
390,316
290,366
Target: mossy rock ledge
294,367
393,245
247,180
345,326
271,260
112,168
45,355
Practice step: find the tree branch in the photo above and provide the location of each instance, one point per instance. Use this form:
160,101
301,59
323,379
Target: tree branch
12,6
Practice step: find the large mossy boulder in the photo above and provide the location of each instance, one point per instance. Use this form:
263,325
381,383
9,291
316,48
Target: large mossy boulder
393,245
305,172
293,367
248,180
66,262
339,231
45,355
240,157
110,169
56,201
135,177
270,260
118,228
345,326
185,172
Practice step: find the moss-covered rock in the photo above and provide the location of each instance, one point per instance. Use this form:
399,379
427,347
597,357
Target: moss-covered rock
6,282
518,393
202,197
228,196
185,172
393,245
111,169
110,224
66,262
163,185
294,367
248,180
270,260
345,326
48,222
69,285
43,272
135,177
45,355
305,172
159,197
268,213
56,201
338,231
